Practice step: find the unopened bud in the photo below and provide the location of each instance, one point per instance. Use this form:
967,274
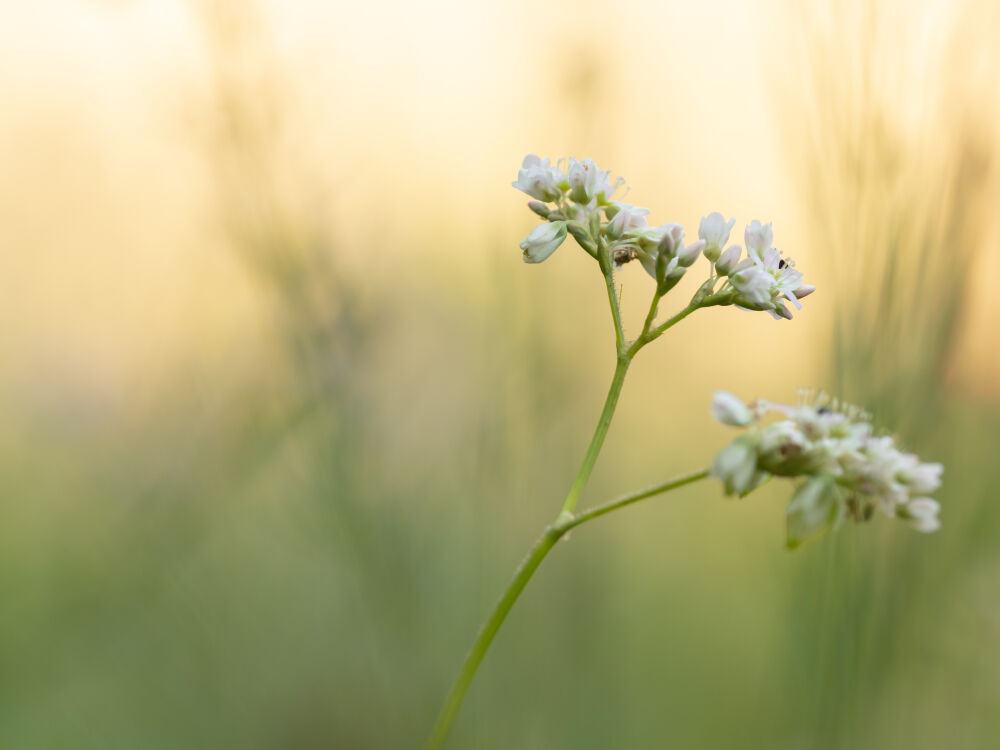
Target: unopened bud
579,233
726,263
730,410
690,254
540,208
804,291
672,236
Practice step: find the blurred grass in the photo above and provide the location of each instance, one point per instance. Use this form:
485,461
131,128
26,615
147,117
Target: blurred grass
291,542
899,163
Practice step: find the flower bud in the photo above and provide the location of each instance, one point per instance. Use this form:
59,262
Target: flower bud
813,510
583,177
804,291
688,255
728,260
673,237
920,478
736,466
730,410
581,235
714,230
543,241
540,208
758,238
780,311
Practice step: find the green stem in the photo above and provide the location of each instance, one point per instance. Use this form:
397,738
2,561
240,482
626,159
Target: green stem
626,500
522,575
573,497
650,316
661,329
616,314
485,636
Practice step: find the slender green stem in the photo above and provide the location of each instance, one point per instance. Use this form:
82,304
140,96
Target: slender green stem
650,316
573,497
566,520
485,636
626,500
522,575
662,328
616,314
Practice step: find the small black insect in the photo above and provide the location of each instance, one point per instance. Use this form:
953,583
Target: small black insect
782,263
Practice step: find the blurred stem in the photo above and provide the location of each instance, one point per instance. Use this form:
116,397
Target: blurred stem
485,637
522,575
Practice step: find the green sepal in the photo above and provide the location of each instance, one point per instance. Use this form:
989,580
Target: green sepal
813,510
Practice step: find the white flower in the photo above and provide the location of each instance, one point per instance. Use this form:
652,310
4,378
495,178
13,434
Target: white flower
627,219
767,282
714,230
543,241
921,479
922,514
758,238
583,180
538,179
729,410
726,263
753,287
736,467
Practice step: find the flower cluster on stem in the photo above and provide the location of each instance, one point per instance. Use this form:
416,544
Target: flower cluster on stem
576,199
847,469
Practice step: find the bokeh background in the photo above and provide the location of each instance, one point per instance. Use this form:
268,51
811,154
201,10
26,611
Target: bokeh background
282,408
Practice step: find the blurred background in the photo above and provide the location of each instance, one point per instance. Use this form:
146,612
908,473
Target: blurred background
283,408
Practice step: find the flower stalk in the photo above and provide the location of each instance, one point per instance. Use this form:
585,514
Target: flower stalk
847,469
543,545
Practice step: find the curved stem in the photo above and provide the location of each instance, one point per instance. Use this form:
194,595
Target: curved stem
635,497
485,636
601,431
522,575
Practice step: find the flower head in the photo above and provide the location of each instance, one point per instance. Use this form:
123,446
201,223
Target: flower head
849,471
764,282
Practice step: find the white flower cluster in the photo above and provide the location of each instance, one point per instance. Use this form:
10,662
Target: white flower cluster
849,470
583,207
579,191
763,280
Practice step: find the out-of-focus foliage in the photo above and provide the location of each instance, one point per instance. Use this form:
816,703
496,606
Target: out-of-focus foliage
283,407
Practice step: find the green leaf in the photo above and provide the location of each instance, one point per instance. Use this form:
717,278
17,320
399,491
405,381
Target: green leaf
812,511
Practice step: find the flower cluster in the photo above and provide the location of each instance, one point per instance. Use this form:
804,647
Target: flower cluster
849,470
764,280
576,198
